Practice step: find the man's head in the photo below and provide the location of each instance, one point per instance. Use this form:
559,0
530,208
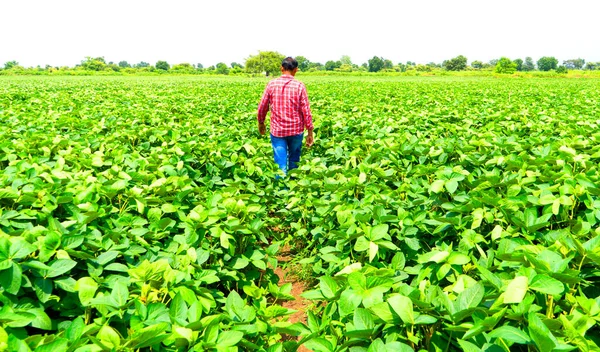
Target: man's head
289,65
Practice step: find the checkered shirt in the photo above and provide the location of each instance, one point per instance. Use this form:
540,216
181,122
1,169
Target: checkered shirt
288,101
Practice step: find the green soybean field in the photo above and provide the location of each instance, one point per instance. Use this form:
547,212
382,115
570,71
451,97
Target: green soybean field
432,214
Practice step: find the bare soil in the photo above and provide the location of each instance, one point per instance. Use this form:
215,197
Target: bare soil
286,275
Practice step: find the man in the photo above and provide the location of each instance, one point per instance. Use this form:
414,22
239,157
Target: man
290,115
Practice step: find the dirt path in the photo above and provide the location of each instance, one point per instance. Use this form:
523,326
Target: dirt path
299,304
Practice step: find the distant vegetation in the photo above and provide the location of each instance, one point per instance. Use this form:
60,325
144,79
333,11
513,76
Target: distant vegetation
267,63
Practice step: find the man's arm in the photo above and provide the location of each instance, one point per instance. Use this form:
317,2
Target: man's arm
307,117
263,108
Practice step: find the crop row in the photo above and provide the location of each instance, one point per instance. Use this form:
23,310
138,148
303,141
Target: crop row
433,214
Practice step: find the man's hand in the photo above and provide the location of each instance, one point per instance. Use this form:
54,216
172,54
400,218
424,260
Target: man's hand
262,129
310,139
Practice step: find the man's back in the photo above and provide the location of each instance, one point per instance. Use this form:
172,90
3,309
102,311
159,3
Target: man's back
288,101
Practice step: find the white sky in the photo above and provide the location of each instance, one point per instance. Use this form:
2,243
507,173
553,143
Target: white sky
64,32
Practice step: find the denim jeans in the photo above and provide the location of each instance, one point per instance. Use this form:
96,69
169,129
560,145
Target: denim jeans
286,151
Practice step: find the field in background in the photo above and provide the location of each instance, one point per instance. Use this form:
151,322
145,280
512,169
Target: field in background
436,213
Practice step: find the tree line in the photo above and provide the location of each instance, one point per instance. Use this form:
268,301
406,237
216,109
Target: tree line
268,62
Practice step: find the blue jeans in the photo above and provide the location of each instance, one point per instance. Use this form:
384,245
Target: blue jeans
286,151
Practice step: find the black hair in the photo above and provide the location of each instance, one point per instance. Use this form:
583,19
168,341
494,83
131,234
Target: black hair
289,64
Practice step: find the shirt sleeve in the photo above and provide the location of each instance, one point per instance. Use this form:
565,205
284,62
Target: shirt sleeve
305,109
263,106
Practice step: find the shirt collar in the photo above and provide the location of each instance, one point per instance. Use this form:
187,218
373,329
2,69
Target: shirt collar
287,76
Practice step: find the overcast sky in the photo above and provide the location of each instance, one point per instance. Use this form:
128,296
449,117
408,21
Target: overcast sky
64,32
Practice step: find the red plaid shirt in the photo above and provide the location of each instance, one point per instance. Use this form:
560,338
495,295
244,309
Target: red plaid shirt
290,111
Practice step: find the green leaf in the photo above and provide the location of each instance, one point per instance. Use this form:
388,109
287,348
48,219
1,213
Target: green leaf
546,284
451,186
259,264
362,178
516,290
434,256
541,335
60,266
510,334
363,319
348,302
42,320
239,263
10,279
20,249
86,290
457,258
470,297
178,310
59,344
350,269
423,319
229,338
148,336
120,294
357,281
377,346
373,249
7,193
168,208
237,308
318,344
403,306
361,244
378,232
43,289
109,336
490,277
119,185
468,346
328,287
75,329
107,257
437,186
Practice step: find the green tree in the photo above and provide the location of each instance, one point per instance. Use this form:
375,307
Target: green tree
124,64
388,64
93,63
519,63
113,66
236,65
345,60
162,65
267,62
344,68
477,64
303,63
10,64
222,68
574,64
547,63
505,65
142,64
199,66
183,68
562,69
528,65
316,66
332,65
376,64
458,63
